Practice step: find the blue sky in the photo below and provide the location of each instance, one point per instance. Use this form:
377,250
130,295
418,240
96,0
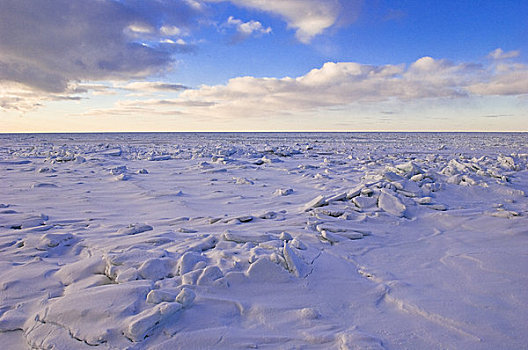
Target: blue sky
245,65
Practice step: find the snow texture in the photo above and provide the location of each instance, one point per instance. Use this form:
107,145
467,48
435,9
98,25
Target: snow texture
272,241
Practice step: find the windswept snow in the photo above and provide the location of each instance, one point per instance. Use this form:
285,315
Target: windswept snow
236,241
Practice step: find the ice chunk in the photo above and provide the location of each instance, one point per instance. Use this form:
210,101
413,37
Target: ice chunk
155,269
330,237
330,228
209,275
130,274
122,177
364,202
424,200
186,297
157,296
245,237
102,308
188,261
417,177
264,269
391,204
52,240
142,324
294,262
134,229
507,162
118,170
410,168
268,215
298,244
391,176
336,197
191,277
81,269
314,203
354,192
242,181
358,341
460,167
283,191
309,313
246,218
285,236
204,244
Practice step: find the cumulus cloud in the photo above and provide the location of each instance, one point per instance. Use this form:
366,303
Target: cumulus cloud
345,83
508,79
47,45
246,29
309,17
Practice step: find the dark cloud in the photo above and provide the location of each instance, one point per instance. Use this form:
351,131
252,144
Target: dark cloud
46,44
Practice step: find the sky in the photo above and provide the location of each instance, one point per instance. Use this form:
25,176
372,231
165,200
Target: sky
263,65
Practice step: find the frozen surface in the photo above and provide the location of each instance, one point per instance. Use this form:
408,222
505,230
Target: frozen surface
235,241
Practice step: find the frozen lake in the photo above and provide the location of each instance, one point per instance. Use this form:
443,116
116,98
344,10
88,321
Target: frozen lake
264,240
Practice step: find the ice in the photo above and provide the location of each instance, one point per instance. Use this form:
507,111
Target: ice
330,237
391,204
283,191
314,203
155,269
354,192
209,275
157,296
272,240
365,202
337,197
294,262
240,237
186,297
188,262
141,325
134,229
204,244
265,270
285,236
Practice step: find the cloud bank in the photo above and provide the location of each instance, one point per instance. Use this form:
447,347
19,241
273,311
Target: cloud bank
339,85
345,83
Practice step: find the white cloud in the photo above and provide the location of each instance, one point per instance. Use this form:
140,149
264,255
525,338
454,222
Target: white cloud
499,54
140,28
246,29
510,79
345,83
309,17
170,30
362,95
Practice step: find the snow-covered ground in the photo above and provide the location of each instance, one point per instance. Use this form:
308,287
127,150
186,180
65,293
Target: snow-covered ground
268,241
